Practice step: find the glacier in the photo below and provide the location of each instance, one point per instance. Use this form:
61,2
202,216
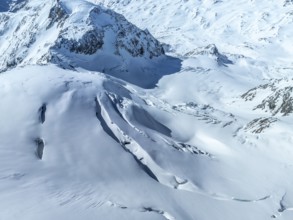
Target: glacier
180,110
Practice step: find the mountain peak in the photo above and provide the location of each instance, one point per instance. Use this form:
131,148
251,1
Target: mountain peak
78,34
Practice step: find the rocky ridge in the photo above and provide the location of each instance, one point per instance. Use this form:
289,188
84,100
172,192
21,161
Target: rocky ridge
55,33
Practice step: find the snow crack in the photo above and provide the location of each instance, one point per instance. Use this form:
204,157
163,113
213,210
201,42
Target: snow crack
166,215
42,113
40,147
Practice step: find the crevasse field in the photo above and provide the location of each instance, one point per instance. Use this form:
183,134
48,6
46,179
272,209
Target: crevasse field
146,109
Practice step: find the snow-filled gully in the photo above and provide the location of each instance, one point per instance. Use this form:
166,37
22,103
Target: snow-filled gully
113,121
131,146
107,129
144,160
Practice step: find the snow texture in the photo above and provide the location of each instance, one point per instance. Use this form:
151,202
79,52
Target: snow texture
100,119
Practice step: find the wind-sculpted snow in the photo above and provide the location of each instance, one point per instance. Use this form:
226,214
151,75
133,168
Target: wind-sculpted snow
75,148
96,122
78,143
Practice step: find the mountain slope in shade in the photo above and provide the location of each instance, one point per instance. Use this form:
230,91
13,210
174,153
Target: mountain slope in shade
11,5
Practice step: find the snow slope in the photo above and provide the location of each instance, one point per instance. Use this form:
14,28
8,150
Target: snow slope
209,139
82,145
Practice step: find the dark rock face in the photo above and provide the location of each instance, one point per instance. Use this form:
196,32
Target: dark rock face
22,36
287,2
89,44
40,147
279,102
211,50
139,44
99,29
279,99
250,95
57,14
92,35
73,34
258,125
182,147
42,113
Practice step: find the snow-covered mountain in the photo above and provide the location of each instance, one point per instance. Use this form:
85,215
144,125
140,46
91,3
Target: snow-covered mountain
238,46
251,33
76,34
185,114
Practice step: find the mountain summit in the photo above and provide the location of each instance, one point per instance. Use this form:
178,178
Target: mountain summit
78,34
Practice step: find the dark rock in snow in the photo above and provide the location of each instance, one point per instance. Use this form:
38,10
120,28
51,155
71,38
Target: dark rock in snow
40,147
